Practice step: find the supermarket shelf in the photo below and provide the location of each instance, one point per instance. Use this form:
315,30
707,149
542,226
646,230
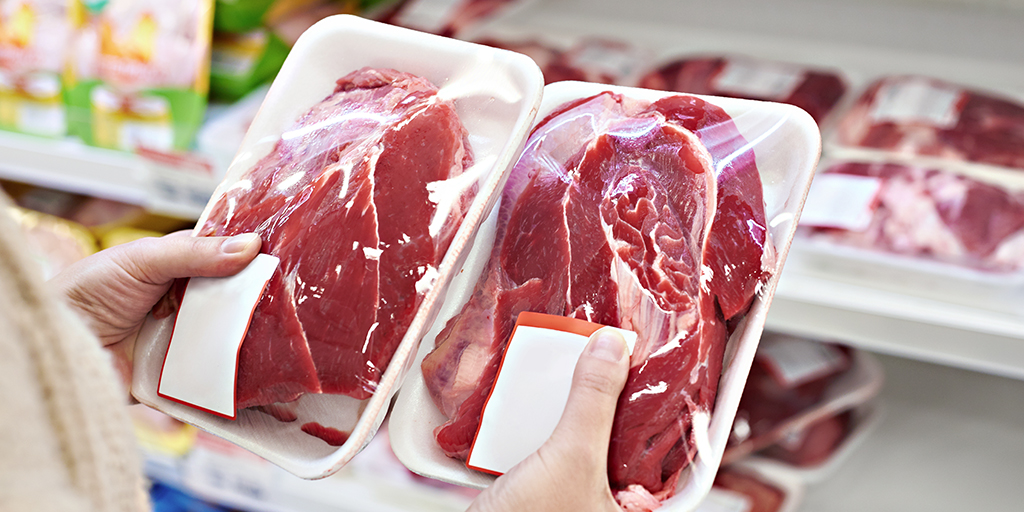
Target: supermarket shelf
69,165
899,324
950,440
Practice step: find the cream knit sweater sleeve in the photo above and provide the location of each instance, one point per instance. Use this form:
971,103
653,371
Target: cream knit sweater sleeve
65,439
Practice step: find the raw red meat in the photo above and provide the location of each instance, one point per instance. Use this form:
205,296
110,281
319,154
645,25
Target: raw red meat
762,496
331,436
815,91
938,215
348,199
770,399
623,213
923,116
814,444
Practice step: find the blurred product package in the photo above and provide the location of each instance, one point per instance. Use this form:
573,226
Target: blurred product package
33,40
589,59
918,212
241,62
446,17
138,72
920,116
817,91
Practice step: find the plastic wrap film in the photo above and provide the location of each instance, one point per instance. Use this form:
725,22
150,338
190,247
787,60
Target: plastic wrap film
817,91
925,213
919,116
366,173
641,210
360,200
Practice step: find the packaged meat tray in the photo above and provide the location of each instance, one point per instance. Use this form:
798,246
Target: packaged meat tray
818,91
786,149
589,59
372,166
748,489
795,382
814,452
941,232
920,116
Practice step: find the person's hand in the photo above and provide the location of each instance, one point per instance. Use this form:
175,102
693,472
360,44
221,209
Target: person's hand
570,471
114,289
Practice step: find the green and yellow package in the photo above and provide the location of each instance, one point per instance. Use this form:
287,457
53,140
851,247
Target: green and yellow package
137,73
33,39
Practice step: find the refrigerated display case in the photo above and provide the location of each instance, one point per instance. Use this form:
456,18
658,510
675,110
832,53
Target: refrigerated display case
952,433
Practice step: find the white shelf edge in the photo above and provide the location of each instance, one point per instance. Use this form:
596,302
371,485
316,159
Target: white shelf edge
71,166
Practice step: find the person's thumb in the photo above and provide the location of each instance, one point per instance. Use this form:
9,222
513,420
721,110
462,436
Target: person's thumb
161,260
596,383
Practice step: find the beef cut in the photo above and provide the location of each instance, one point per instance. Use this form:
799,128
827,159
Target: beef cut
816,91
923,116
351,199
759,495
814,444
624,213
938,215
789,378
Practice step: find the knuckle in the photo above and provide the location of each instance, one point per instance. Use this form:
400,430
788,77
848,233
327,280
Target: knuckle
597,382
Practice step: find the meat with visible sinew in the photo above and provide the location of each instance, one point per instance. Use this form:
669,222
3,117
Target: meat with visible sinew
353,200
617,214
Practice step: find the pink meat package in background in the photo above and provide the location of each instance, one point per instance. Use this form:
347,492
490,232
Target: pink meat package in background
921,116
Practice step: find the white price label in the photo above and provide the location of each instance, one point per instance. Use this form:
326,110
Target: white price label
796,361
917,100
765,80
41,119
841,201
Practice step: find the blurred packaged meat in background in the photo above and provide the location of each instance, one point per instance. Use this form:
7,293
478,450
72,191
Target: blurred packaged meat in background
922,213
593,59
445,17
913,115
817,91
798,397
746,489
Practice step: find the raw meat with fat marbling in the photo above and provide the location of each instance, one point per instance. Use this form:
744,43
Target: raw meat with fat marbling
624,213
359,201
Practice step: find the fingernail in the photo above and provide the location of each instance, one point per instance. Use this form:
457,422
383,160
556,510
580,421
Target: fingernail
238,243
608,345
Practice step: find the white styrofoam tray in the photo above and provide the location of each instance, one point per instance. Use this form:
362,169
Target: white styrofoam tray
866,417
496,94
786,143
856,386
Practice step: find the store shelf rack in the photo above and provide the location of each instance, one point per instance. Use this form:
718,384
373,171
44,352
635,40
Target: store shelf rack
69,165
